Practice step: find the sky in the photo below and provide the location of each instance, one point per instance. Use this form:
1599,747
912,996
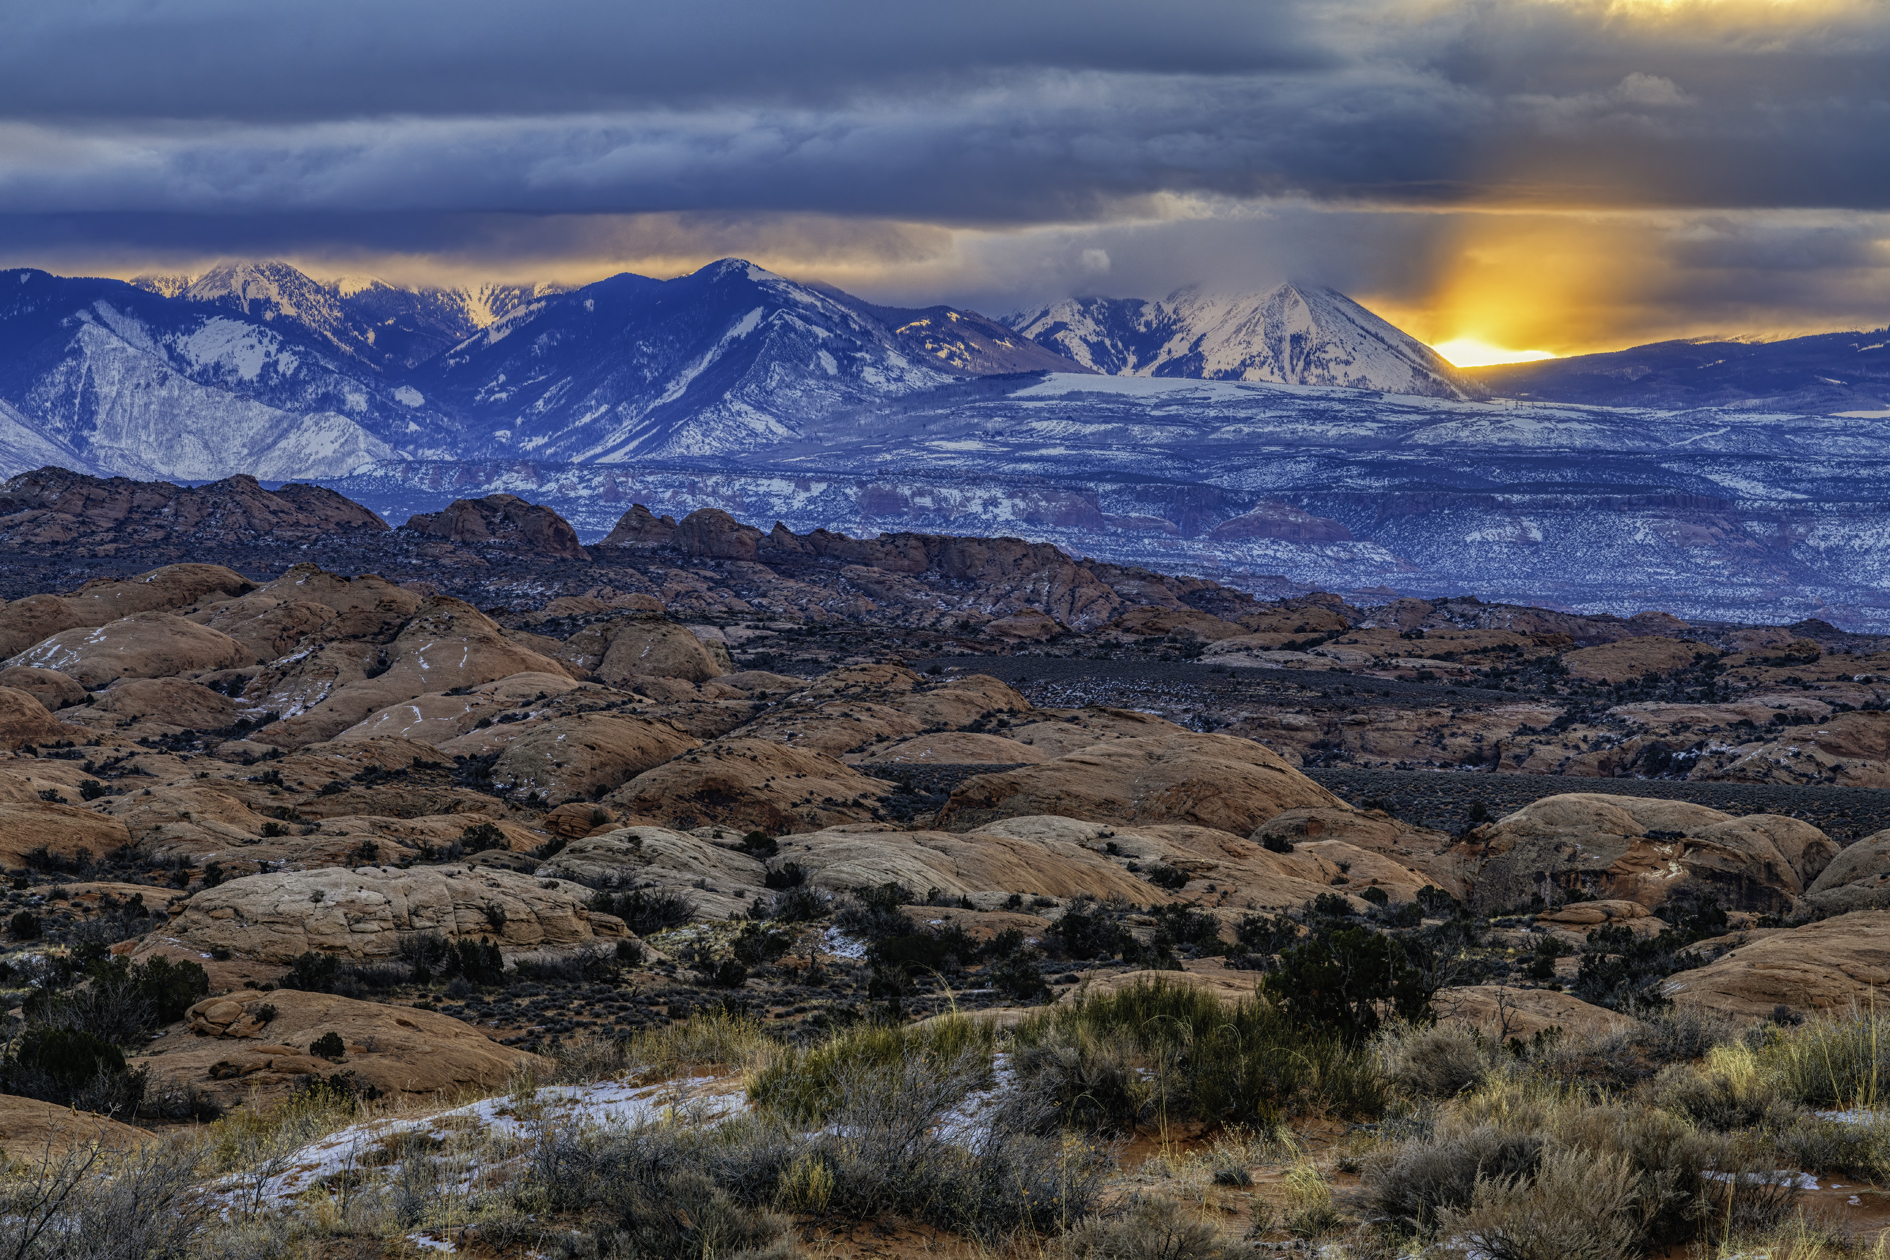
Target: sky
1561,176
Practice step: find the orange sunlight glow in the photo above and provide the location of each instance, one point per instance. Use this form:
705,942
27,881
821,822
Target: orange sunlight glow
1467,352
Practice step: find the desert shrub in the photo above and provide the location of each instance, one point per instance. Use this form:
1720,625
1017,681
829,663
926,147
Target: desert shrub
645,912
1181,927
1435,1061
1856,1147
1204,1061
329,1046
72,1068
1338,978
891,1146
1726,1092
312,973
23,926
480,962
1620,968
873,914
1146,1228
1266,934
1411,1185
1087,930
1309,1210
1162,875
91,1203
797,903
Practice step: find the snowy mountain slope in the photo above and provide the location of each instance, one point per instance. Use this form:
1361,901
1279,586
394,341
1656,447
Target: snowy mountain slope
962,342
724,361
132,382
1295,334
23,448
389,327
1822,374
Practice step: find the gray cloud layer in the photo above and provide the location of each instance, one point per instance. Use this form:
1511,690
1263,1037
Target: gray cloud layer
427,127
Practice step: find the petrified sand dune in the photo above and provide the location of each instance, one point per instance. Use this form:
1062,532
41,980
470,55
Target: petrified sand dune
143,645
24,720
363,913
751,784
1827,965
248,1043
586,755
1209,780
1642,849
32,1131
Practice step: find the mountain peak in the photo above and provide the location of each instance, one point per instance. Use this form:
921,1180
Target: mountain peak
1295,333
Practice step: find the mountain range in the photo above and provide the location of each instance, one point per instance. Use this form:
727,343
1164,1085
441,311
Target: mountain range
1289,435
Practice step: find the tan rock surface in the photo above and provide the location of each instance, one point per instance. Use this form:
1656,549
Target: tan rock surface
1209,780
718,879
637,646
33,1132
446,644
1502,1012
48,686
1827,965
1642,849
964,748
1231,987
1858,878
34,619
24,720
156,705
751,784
501,518
363,912
586,755
1060,731
1632,658
166,589
249,1044
143,645
64,830
1047,863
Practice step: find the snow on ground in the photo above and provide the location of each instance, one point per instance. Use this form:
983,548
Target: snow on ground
500,1120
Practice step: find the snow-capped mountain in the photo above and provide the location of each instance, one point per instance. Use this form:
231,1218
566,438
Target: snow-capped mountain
386,326
130,381
1296,334
724,361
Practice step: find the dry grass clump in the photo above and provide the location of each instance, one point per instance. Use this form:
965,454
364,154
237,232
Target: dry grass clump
804,1085
1839,1059
1498,1168
1438,1060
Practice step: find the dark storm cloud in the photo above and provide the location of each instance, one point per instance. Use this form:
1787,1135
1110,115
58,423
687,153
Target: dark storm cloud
971,113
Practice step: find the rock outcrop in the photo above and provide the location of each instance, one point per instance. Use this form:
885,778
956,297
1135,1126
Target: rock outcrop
1643,849
504,519
364,912
1827,965
249,1044
1231,785
144,645
583,757
751,784
1858,878
55,509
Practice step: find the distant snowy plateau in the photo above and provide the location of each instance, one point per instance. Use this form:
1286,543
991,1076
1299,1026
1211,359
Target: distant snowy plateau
1276,441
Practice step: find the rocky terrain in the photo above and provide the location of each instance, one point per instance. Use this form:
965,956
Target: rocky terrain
307,819
461,790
